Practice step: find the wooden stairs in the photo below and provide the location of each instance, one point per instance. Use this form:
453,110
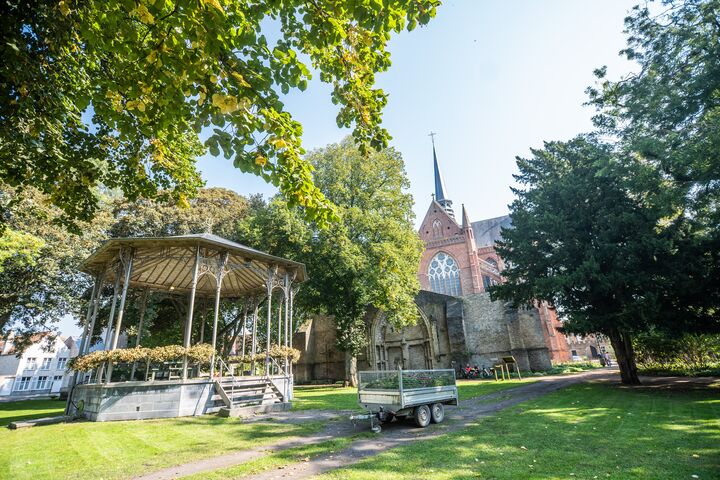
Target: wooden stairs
245,396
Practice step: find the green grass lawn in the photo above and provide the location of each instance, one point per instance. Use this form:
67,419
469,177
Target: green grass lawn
108,450
29,409
345,398
590,431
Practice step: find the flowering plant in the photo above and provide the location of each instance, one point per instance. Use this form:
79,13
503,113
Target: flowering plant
276,351
197,353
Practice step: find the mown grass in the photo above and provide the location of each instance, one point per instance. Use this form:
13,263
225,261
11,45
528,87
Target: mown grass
346,398
29,409
592,431
111,450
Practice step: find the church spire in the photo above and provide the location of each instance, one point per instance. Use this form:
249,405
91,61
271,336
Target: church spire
446,203
465,218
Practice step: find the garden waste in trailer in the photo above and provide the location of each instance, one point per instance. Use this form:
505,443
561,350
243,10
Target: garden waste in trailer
420,394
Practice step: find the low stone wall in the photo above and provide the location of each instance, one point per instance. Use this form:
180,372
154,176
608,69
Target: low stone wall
143,400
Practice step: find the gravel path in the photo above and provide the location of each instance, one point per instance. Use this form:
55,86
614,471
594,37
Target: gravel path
393,435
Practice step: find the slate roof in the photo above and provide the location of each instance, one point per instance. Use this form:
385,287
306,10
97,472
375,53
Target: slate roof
488,231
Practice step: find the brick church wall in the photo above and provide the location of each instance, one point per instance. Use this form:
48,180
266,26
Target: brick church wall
320,360
494,331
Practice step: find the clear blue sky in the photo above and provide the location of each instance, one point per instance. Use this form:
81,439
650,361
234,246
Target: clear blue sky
492,78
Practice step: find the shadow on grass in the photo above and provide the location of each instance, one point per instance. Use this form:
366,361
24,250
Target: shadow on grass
123,449
589,431
29,410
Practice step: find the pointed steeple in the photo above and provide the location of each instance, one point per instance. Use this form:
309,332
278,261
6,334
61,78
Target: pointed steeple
465,218
446,203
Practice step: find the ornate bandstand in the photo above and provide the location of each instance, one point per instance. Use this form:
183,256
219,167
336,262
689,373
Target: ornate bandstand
192,378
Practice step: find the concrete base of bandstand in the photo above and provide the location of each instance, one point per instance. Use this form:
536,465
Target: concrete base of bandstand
254,409
143,400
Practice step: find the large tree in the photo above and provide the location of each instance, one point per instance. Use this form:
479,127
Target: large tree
586,242
116,93
668,114
625,239
39,260
369,259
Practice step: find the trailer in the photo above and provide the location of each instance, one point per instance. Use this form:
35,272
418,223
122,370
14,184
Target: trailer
418,394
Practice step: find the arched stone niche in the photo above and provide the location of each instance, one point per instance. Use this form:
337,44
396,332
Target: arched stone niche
411,348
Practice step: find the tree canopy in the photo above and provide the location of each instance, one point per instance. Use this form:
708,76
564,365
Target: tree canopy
669,115
368,260
622,234
39,277
116,93
582,240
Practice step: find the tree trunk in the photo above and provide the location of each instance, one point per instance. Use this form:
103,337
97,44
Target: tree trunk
350,370
625,355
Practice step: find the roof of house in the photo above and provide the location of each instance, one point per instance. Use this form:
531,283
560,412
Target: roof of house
35,338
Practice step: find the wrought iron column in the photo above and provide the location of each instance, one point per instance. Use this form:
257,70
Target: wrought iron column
254,336
93,318
143,305
243,330
127,264
218,286
280,311
270,281
106,340
121,313
191,311
202,322
89,313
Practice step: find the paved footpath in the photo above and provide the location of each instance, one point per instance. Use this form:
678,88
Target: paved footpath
393,435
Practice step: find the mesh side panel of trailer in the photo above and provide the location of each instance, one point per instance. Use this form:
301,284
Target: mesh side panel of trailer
379,380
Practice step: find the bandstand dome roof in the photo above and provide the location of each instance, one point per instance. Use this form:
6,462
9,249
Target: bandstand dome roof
167,264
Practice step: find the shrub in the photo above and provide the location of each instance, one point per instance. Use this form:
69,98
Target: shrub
688,354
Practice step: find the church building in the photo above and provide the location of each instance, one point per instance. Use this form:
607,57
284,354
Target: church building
457,323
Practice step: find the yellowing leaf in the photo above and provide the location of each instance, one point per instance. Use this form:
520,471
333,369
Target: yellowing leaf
64,9
260,160
143,14
226,103
214,3
240,79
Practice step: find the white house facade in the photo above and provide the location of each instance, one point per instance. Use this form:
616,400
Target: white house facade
42,367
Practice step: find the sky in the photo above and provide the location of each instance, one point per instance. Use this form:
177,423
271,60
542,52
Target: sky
492,79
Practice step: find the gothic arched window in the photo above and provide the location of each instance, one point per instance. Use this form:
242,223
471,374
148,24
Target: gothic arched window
444,275
437,228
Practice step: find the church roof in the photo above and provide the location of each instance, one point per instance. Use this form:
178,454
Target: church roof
488,231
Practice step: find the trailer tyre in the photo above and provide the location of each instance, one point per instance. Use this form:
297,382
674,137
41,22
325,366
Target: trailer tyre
422,416
438,412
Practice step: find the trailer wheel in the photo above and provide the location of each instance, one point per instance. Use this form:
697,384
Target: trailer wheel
438,412
422,416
